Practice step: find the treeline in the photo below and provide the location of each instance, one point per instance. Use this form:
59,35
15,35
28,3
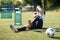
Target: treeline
47,3
53,3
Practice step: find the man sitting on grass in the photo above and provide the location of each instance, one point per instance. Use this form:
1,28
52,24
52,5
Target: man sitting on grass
30,26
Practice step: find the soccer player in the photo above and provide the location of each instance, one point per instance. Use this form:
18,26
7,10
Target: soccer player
39,17
36,24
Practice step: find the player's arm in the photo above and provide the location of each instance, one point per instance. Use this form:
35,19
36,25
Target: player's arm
38,8
35,16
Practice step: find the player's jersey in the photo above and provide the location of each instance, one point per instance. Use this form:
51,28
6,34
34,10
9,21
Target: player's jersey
40,11
41,15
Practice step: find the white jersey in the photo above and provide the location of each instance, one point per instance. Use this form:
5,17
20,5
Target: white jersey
41,15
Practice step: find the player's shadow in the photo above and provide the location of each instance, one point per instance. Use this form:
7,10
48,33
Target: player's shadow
56,37
57,29
44,29
40,30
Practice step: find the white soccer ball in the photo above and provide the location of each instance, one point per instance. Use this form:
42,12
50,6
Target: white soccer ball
50,32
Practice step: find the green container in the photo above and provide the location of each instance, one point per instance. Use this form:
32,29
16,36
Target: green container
6,9
18,17
6,13
6,4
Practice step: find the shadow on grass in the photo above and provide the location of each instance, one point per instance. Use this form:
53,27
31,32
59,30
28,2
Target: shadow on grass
40,30
57,29
56,37
44,29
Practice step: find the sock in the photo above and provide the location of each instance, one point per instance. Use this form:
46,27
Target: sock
22,29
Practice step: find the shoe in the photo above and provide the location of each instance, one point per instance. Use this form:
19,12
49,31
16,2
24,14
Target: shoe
13,28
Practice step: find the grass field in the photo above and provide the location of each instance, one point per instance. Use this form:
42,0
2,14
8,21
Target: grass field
52,19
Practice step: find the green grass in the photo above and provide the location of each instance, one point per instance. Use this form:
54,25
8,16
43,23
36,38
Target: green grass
52,19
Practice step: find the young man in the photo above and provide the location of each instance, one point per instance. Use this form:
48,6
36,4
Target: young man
30,26
36,24
39,17
40,11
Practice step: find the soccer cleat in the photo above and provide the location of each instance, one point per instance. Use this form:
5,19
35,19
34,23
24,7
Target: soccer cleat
13,28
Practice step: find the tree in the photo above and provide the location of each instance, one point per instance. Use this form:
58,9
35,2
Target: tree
53,3
37,2
17,4
45,5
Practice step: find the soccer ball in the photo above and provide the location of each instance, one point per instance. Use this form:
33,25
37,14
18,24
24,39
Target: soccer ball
50,32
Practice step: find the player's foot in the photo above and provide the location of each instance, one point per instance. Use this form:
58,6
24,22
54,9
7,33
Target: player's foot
13,28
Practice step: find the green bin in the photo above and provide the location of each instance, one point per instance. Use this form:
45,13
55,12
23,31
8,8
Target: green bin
6,13
18,16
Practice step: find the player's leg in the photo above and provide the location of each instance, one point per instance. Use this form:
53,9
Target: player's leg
34,25
18,29
39,24
21,29
13,28
35,20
